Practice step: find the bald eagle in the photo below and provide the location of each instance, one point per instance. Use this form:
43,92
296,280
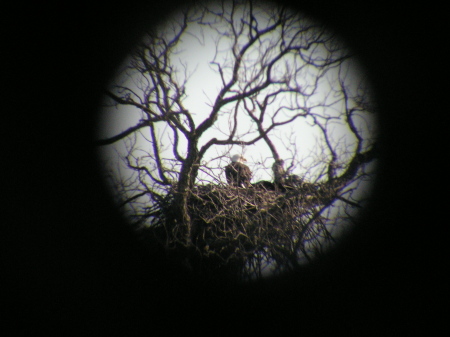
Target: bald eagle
237,173
279,174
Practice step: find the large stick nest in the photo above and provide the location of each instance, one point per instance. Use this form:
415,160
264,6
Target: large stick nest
233,225
246,217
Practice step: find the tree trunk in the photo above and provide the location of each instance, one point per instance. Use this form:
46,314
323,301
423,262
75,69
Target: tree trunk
186,181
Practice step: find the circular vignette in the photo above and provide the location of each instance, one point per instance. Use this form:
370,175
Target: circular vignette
257,80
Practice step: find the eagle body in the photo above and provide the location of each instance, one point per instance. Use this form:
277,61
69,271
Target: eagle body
237,173
279,173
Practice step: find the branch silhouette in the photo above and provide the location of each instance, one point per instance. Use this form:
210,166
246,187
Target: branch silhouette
274,69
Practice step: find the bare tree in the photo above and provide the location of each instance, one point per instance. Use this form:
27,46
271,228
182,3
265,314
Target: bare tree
274,71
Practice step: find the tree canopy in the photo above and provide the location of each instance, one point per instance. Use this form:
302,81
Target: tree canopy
241,77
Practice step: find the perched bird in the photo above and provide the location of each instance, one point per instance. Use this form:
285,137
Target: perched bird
279,174
237,173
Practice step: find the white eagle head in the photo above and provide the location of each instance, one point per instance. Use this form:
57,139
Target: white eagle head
238,158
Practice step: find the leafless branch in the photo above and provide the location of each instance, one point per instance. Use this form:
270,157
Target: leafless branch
272,69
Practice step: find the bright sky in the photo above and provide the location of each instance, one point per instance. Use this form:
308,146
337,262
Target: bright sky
203,85
299,142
